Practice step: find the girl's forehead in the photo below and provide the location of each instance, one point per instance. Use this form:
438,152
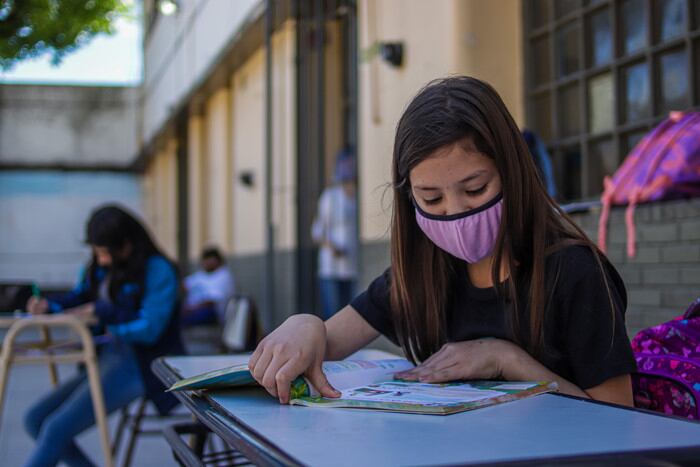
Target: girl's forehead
450,164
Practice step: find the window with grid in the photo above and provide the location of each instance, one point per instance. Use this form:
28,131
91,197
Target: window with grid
601,74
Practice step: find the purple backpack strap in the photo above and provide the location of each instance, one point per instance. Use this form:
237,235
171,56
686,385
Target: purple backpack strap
693,310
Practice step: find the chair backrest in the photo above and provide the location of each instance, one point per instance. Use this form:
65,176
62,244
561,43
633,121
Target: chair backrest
241,325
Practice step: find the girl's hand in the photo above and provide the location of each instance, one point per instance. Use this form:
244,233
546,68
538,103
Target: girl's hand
82,311
475,359
296,347
37,306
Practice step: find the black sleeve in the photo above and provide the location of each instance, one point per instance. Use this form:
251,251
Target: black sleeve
374,305
597,345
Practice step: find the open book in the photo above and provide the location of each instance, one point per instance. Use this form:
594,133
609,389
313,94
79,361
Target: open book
370,384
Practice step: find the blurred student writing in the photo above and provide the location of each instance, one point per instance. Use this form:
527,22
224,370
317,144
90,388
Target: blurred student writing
132,290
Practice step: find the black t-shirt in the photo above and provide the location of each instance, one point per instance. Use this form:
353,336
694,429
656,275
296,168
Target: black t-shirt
581,344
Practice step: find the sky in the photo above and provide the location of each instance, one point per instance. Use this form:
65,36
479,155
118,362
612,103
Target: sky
106,60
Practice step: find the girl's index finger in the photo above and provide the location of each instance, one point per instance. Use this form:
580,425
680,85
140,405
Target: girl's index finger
254,357
406,376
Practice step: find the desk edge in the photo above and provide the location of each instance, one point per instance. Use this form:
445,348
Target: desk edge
252,444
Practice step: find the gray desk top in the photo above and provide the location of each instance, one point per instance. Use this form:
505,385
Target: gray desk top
540,427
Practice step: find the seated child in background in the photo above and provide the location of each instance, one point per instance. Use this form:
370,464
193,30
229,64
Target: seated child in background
207,290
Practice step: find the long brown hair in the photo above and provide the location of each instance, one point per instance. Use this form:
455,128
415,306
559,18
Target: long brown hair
442,113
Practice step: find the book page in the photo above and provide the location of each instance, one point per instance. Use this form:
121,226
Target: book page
424,398
420,393
352,373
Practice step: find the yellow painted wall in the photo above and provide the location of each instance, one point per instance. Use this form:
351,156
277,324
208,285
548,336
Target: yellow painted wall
481,38
217,172
168,205
160,192
248,143
195,186
249,156
284,141
489,46
333,98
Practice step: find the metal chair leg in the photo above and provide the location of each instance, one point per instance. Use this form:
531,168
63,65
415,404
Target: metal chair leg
99,408
135,426
121,426
5,362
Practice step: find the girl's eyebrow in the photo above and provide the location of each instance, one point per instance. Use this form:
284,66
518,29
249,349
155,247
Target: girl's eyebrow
464,180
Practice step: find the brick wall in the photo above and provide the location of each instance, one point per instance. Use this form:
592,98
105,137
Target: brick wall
664,277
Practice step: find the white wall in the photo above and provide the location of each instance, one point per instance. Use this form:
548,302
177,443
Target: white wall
70,125
43,215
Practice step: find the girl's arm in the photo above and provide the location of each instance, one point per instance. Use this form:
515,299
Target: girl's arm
76,297
346,333
521,366
496,358
157,305
617,390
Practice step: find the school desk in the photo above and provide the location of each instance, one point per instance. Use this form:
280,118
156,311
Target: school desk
546,429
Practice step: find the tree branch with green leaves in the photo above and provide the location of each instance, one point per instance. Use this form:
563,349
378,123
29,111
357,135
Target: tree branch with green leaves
31,28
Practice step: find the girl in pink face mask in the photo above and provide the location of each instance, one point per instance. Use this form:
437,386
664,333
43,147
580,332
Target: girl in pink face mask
489,279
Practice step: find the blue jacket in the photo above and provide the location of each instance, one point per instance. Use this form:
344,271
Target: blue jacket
142,315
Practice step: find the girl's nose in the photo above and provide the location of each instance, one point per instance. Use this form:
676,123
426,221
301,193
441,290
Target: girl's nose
455,205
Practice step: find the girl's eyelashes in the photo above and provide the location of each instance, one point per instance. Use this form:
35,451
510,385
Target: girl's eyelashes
478,191
431,202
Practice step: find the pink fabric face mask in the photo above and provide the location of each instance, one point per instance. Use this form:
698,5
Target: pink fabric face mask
470,235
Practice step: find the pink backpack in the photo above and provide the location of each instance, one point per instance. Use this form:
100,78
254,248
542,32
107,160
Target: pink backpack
668,362
664,165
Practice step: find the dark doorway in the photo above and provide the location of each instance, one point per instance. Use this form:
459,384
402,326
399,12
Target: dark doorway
326,118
